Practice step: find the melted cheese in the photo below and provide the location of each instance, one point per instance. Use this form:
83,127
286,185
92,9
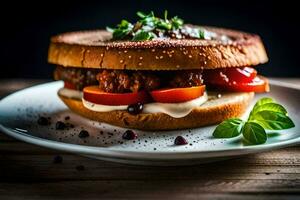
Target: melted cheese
176,110
100,107
73,94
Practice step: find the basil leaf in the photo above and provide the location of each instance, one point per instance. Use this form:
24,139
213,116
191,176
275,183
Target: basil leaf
275,107
262,101
259,103
229,128
143,35
268,107
273,120
254,133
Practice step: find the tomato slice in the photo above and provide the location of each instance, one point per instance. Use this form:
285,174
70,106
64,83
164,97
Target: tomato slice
177,95
236,79
95,95
258,84
69,85
244,74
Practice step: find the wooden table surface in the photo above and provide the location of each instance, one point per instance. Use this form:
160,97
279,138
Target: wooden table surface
28,172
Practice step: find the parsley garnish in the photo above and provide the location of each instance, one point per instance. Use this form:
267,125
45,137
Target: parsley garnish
149,27
265,115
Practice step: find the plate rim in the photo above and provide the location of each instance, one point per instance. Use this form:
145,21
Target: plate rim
150,154
102,151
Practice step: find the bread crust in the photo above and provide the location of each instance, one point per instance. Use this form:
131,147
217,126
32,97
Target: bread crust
92,49
215,110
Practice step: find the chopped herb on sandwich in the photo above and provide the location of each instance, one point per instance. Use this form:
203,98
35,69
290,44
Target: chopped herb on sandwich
149,27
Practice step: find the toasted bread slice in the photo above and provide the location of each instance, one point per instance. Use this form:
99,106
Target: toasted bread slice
94,49
215,110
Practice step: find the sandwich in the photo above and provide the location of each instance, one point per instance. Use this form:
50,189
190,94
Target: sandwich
158,73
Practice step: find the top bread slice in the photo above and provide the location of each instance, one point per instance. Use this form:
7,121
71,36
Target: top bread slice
95,49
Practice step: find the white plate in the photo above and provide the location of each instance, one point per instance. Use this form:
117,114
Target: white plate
19,113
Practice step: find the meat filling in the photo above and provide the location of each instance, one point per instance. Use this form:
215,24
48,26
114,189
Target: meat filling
120,81
80,78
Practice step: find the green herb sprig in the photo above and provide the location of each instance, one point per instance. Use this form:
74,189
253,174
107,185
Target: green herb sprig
265,115
149,26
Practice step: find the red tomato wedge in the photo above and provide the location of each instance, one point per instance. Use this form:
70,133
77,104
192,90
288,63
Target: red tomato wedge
236,79
69,85
259,84
245,74
177,95
95,95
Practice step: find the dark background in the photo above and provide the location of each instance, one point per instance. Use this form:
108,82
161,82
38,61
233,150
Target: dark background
26,28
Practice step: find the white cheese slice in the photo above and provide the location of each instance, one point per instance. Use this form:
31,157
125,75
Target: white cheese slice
176,110
72,94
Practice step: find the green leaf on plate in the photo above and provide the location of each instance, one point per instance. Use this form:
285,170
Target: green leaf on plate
263,101
254,133
275,107
273,120
260,102
229,128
